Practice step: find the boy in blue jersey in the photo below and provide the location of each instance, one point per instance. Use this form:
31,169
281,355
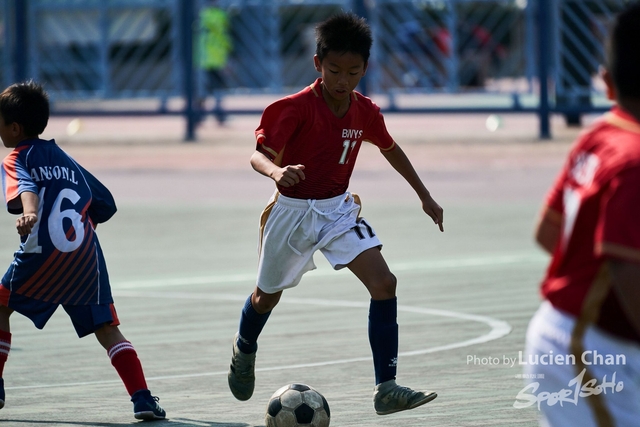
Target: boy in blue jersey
59,261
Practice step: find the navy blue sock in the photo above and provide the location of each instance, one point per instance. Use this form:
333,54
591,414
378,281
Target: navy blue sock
251,324
383,337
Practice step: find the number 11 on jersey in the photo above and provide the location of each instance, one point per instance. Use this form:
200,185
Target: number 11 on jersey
348,146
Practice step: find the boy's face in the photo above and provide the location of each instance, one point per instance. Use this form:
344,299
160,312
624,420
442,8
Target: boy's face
9,133
341,73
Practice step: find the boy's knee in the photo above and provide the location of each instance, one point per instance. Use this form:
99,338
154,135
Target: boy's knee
384,287
108,335
263,303
389,283
5,314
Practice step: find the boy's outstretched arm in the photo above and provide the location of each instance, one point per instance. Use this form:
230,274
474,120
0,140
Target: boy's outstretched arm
29,217
286,176
547,233
625,284
400,162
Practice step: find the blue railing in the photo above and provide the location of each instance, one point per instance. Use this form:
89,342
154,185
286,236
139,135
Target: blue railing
113,57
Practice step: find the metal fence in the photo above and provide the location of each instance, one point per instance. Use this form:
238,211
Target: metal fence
578,50
194,57
96,49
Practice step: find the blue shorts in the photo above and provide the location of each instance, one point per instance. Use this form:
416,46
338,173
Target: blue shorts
86,319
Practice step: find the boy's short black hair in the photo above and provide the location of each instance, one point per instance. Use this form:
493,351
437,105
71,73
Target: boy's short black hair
342,33
624,52
27,104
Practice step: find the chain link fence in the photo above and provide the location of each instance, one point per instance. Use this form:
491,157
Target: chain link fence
150,54
579,39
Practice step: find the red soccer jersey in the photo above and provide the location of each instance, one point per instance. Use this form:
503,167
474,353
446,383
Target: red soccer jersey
596,200
301,129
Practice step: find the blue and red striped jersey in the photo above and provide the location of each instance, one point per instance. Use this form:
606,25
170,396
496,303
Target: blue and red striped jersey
60,261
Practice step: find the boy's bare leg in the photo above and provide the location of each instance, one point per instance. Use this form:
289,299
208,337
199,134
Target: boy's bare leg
5,313
109,335
372,270
263,302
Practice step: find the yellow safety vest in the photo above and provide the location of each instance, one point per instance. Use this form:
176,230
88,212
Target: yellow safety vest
214,41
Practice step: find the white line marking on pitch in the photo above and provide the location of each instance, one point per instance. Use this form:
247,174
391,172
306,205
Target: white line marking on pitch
491,260
499,328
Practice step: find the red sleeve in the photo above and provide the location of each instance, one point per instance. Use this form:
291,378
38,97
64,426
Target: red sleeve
618,233
377,133
10,177
16,180
278,125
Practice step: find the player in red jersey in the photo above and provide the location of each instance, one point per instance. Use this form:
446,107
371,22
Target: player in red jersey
59,261
308,144
590,319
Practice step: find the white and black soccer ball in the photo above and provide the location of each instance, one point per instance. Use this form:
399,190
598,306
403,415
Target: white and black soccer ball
297,405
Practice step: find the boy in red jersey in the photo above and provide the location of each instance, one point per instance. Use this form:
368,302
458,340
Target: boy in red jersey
308,143
59,261
590,319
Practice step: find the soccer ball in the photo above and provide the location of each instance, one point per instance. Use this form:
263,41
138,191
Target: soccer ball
297,405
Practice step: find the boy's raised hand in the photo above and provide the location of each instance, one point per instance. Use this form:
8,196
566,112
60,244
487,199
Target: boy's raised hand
434,210
25,223
288,176
30,202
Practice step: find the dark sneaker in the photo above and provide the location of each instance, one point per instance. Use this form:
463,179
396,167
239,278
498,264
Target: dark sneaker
242,379
1,393
145,406
389,397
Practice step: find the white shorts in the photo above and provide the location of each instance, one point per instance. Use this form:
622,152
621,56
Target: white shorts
292,230
613,363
